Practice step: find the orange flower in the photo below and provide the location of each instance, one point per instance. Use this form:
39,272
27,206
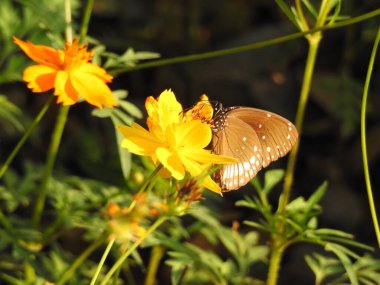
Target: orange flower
69,72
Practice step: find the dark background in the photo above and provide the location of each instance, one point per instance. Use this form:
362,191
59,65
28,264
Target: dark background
268,78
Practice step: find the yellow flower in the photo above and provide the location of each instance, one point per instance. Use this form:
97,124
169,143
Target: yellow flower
69,72
178,144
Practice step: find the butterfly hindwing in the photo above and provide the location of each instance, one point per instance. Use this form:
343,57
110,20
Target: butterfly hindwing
255,138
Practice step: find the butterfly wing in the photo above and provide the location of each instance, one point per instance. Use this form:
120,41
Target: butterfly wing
255,138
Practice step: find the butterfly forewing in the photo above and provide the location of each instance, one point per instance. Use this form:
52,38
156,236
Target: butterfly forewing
255,138
229,141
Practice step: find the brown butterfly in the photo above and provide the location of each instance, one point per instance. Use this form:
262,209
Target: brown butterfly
254,137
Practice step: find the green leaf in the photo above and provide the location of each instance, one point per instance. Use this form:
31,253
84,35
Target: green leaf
316,197
341,253
271,179
125,156
310,8
333,232
131,109
10,113
287,11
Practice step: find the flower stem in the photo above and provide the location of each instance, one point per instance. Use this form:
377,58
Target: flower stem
85,254
122,258
309,69
68,21
274,265
52,154
102,260
277,248
86,20
28,132
156,255
363,139
146,183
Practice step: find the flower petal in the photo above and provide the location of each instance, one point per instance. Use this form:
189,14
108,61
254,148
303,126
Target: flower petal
210,184
41,54
192,166
138,140
64,89
92,89
193,135
171,162
204,156
40,78
94,70
169,109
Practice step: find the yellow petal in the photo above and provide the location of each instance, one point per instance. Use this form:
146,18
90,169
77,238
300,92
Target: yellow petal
40,78
169,109
204,156
138,140
95,70
192,166
193,135
92,89
171,162
64,89
211,185
40,53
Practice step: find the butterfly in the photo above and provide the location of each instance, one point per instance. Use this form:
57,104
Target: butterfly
254,137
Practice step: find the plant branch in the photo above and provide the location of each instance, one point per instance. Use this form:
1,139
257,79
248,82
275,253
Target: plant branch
244,48
364,142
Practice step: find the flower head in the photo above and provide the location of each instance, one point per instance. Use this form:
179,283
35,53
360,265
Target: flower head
69,72
177,143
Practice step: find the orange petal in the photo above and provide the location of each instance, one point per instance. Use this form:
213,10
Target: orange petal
92,89
171,162
41,54
65,91
40,78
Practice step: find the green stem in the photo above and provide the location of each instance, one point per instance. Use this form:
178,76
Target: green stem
68,21
78,262
278,249
86,20
244,48
274,265
52,154
6,224
156,255
146,183
28,132
309,69
363,139
120,261
102,260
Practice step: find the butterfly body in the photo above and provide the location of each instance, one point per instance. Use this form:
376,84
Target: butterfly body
254,137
